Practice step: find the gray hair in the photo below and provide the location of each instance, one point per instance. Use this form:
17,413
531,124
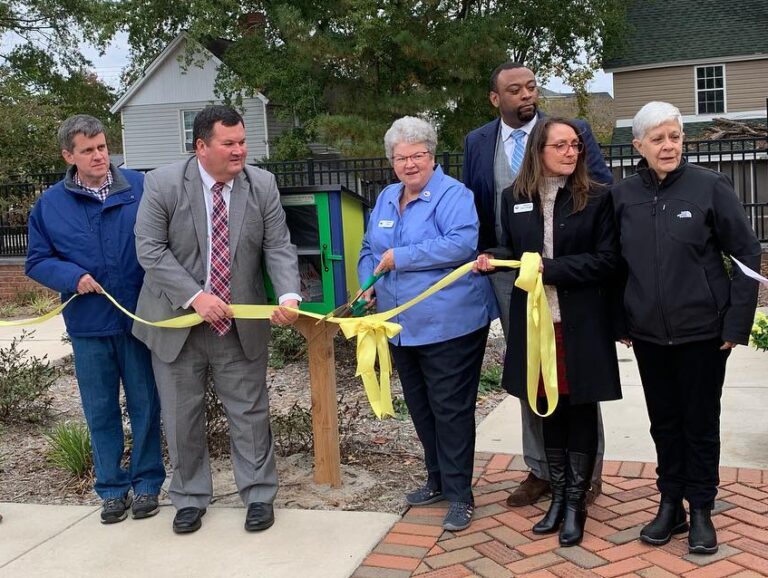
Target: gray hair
410,130
84,124
654,114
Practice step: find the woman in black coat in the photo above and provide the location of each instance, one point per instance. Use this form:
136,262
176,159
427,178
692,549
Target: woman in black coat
554,210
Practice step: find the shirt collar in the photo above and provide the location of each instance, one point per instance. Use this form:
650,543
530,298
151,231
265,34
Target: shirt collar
506,130
107,182
209,181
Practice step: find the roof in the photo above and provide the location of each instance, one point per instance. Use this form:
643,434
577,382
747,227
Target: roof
693,131
669,31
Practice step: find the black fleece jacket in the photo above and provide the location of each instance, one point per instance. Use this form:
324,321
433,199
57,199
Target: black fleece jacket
673,236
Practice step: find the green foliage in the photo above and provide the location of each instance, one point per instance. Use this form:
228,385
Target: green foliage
490,380
759,336
71,448
401,409
286,346
336,64
24,382
290,146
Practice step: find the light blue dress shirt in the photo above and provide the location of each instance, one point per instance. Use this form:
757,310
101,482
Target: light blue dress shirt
436,233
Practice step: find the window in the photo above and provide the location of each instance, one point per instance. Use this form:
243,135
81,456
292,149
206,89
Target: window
710,89
187,120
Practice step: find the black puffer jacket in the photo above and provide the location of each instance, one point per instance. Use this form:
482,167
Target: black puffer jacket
673,234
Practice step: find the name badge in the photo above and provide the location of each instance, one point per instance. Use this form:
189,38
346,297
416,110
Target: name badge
523,208
386,224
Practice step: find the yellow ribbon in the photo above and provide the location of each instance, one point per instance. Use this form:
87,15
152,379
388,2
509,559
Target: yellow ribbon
374,331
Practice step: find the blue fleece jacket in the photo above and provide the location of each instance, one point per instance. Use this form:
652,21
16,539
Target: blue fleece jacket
72,233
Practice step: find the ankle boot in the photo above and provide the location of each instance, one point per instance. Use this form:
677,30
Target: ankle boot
702,539
669,520
578,476
556,460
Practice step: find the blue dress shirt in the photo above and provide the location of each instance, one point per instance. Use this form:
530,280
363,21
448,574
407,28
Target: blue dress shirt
436,233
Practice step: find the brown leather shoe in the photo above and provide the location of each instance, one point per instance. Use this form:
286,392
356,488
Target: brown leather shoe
594,490
528,492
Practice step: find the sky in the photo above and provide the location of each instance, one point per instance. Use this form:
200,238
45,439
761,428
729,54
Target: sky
109,65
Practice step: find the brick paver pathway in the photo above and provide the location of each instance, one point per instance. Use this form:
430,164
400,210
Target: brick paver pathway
499,543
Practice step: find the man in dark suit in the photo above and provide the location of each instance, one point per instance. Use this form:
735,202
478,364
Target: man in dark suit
493,154
205,228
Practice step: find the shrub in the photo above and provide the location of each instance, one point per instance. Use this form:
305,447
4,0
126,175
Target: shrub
286,345
759,336
490,380
24,382
71,448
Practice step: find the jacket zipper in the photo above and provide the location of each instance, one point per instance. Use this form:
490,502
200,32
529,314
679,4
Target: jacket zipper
657,269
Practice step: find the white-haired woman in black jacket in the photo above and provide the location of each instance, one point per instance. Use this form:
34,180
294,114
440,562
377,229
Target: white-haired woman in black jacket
684,312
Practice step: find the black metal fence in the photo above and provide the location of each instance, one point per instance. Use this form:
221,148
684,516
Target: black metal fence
745,161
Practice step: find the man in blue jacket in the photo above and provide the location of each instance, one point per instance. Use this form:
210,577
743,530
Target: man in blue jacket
81,240
493,154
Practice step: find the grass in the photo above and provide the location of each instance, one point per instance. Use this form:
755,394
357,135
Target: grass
70,448
490,380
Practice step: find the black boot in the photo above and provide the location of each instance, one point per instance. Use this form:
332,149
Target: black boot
702,539
556,460
578,476
669,520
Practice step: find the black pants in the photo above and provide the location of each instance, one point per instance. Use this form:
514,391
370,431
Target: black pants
682,386
572,427
440,383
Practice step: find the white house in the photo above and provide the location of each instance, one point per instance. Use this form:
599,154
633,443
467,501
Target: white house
158,109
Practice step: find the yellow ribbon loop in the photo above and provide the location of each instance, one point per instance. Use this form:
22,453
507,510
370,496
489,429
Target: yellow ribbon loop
373,334
374,331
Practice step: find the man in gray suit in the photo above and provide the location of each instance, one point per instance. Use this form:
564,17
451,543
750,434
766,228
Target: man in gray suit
204,229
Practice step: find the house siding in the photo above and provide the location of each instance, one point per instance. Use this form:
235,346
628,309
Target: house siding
746,85
632,90
152,133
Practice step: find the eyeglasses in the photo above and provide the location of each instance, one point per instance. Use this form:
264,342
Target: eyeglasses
416,158
562,147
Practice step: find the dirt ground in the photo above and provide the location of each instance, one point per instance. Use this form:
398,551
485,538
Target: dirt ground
380,459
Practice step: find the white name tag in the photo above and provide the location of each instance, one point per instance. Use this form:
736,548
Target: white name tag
386,224
524,208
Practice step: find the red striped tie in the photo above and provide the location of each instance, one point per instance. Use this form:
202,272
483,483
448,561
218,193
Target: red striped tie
220,274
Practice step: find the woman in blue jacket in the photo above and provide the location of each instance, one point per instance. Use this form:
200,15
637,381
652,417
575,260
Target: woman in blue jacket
420,230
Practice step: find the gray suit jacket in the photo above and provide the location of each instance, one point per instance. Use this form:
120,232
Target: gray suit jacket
172,245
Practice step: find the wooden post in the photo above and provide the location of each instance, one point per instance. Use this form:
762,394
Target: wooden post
322,381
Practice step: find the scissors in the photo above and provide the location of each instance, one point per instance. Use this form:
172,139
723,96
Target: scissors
355,306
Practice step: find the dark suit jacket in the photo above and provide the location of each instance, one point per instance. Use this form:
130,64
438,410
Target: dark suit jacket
479,153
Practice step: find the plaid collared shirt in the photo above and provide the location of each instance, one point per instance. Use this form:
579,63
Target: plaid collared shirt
102,192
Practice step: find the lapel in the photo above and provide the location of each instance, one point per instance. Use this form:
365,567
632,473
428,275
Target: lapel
193,187
488,153
238,199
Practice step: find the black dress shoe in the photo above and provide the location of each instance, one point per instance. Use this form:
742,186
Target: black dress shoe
188,520
260,516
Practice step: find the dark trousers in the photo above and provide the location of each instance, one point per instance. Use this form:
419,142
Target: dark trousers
572,427
440,383
682,386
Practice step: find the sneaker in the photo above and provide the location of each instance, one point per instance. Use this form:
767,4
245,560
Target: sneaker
144,506
115,510
423,496
458,517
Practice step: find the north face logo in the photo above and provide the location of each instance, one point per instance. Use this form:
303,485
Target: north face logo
684,215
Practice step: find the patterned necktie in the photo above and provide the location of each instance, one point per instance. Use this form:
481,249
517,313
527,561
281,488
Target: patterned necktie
220,274
518,152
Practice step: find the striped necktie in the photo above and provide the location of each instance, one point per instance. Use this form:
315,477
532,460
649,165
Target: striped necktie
518,152
220,273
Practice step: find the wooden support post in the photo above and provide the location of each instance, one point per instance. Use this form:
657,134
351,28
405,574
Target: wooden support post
322,381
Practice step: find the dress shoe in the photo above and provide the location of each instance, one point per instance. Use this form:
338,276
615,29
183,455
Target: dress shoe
528,492
188,520
702,539
260,516
669,520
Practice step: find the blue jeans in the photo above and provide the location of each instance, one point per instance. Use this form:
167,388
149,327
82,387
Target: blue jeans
101,363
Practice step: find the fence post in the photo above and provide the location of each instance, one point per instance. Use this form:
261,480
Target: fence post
445,163
311,171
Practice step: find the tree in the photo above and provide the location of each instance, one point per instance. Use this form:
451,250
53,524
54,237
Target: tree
347,68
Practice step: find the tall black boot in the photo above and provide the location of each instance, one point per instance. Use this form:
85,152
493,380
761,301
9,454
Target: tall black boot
550,523
578,476
702,539
669,520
